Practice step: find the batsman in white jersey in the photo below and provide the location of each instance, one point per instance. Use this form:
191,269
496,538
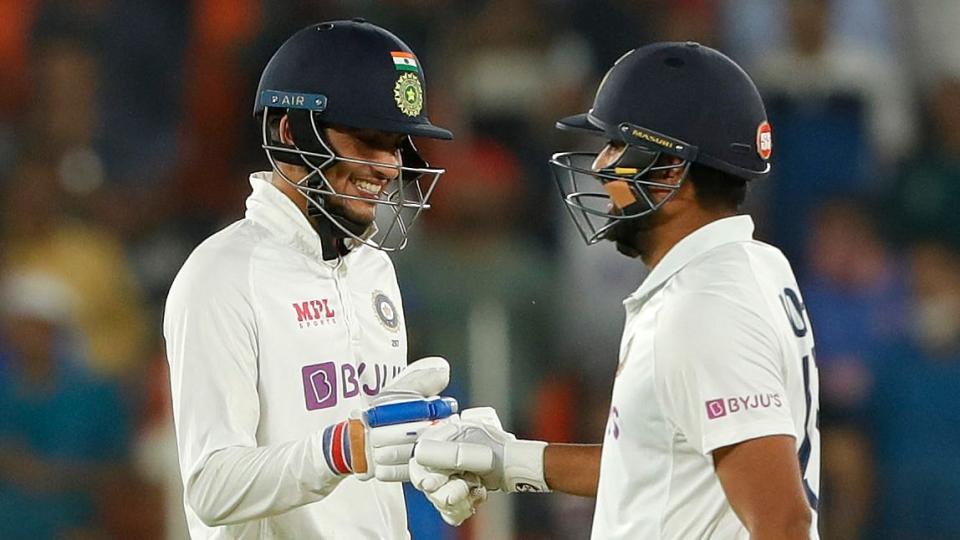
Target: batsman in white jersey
712,430
285,331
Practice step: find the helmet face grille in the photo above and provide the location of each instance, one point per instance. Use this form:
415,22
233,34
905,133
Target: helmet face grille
400,203
588,193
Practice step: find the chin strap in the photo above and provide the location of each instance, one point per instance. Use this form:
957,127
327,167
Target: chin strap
332,238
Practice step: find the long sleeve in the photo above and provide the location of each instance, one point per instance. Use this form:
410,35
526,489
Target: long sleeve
210,327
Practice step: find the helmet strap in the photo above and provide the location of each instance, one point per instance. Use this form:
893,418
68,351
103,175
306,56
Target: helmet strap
306,139
624,232
332,238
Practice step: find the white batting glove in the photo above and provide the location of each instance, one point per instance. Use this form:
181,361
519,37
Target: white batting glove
353,447
454,494
477,443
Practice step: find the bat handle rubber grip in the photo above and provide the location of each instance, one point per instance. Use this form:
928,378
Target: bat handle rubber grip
410,411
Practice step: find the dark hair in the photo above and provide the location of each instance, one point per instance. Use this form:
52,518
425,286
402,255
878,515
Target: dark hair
717,190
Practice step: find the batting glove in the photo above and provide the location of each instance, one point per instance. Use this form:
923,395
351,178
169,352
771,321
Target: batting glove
478,444
366,448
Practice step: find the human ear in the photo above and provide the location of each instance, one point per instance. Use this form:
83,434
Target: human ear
286,134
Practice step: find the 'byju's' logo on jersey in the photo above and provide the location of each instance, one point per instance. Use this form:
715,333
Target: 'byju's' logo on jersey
314,313
717,408
320,385
326,383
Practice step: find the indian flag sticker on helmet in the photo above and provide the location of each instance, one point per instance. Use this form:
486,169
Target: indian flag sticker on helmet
408,94
764,140
404,61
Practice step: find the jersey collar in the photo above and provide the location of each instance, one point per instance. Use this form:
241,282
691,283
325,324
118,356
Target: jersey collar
710,236
269,207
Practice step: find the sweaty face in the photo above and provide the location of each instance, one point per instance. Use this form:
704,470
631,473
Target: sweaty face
365,181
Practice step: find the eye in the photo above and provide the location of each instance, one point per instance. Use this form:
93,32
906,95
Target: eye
381,141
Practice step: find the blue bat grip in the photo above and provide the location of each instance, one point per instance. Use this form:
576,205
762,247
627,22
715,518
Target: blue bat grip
410,411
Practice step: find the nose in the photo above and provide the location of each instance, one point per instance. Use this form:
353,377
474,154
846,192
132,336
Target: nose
387,166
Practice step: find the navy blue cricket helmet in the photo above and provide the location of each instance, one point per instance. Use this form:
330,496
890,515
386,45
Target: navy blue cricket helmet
354,74
679,99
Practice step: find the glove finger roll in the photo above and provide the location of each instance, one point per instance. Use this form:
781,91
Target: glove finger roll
398,454
457,456
392,473
426,480
454,492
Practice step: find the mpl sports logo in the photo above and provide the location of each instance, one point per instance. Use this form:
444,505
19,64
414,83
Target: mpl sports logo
717,408
314,313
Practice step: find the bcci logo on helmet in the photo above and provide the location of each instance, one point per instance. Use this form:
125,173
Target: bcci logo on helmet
408,94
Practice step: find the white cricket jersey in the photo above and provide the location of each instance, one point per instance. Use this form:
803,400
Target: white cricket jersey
717,349
268,344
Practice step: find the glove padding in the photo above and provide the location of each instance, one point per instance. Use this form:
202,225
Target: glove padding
353,447
477,443
455,495
423,378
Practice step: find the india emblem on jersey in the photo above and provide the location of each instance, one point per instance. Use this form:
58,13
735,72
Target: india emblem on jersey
386,311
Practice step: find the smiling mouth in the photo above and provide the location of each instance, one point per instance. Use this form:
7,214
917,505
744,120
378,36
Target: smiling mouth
367,189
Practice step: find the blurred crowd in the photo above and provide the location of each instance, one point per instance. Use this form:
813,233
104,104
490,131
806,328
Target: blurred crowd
126,136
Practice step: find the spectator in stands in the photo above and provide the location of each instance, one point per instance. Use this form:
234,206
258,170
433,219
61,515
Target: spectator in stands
855,290
841,116
856,296
915,399
514,66
63,118
37,232
61,430
926,195
752,28
814,66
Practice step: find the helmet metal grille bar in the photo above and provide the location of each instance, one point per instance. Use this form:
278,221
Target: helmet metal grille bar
590,206
416,182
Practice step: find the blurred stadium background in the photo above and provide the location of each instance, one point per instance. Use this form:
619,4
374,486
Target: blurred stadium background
126,137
